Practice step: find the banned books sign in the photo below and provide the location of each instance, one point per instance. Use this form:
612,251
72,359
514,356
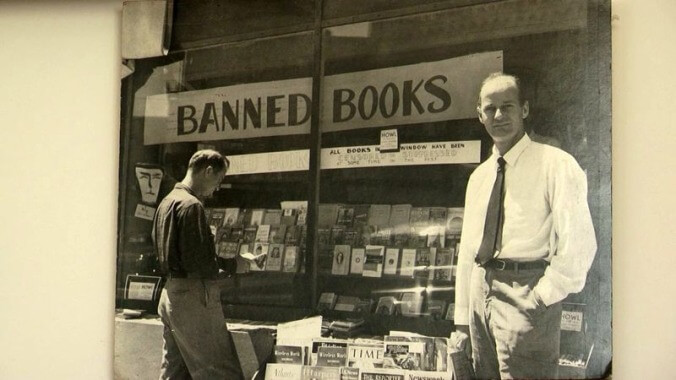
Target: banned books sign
444,152
423,92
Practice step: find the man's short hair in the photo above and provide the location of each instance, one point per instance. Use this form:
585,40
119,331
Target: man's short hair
500,74
208,157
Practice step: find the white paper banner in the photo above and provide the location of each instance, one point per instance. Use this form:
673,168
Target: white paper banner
234,112
411,94
270,162
433,153
423,92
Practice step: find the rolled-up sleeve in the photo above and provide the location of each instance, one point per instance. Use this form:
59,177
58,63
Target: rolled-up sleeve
573,239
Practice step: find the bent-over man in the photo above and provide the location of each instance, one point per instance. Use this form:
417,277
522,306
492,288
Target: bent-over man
197,343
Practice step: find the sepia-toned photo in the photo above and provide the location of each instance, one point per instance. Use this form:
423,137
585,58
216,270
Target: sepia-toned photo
344,189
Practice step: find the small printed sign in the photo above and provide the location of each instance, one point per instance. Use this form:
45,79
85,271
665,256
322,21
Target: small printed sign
144,212
571,321
389,140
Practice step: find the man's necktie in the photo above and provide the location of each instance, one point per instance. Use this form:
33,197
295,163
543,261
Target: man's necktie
493,226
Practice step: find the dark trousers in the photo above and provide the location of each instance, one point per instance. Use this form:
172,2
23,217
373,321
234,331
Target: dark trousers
512,336
197,344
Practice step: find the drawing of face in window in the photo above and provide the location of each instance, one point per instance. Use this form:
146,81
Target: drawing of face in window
149,180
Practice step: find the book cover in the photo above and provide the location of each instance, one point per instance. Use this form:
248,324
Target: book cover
291,260
391,261
379,215
341,260
324,342
438,216
289,217
244,217
373,260
361,215
292,235
277,234
381,374
231,216
222,234
428,375
418,237
319,373
423,261
300,208
260,253
368,235
288,354
327,214
384,236
411,304
365,354
403,353
331,356
327,301
250,234
347,373
345,216
228,249
274,261
454,219
357,261
280,371
352,236
408,256
273,216
337,235
216,217
450,311
263,233
364,306
346,303
257,216
441,350
401,236
400,215
236,233
436,237
435,309
443,262
420,216
386,305
323,236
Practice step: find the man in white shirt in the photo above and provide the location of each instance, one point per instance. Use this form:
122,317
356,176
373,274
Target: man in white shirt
511,282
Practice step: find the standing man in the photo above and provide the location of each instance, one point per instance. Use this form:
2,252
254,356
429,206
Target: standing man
197,343
527,242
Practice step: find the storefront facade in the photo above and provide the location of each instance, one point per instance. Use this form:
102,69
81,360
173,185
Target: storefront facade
360,118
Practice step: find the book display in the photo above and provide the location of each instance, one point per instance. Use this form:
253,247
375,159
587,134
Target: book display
399,355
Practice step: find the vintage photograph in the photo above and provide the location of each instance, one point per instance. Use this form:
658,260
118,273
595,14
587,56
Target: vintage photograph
345,189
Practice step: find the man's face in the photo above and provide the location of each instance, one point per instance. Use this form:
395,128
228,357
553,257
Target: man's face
501,113
212,180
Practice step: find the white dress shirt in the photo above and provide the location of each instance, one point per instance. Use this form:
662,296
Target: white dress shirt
546,217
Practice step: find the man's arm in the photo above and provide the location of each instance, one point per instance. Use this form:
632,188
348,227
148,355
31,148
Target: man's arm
196,242
574,240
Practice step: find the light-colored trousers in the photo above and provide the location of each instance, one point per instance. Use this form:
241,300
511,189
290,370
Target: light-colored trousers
197,344
512,336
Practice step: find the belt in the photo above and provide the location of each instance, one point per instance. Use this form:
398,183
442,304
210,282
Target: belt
515,265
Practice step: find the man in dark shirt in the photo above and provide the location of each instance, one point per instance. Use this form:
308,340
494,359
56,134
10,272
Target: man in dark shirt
197,343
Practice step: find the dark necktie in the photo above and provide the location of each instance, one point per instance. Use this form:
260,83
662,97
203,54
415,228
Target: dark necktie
493,226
